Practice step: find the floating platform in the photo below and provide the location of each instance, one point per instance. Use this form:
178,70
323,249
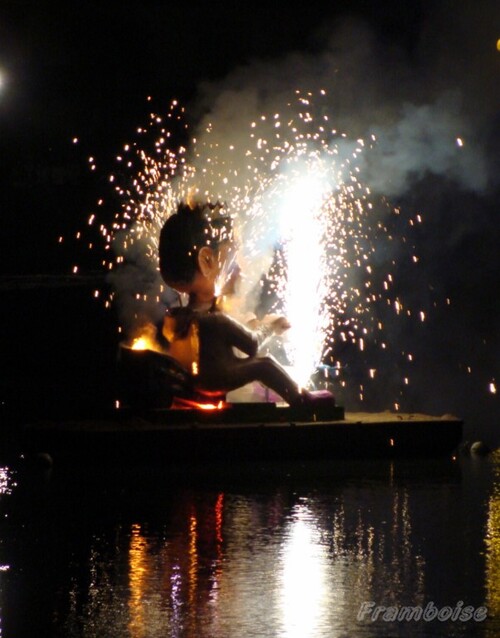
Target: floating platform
242,433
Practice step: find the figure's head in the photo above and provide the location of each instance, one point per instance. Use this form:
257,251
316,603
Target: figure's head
193,248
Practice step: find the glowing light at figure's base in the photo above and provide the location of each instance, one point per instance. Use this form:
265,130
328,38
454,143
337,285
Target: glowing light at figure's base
146,340
140,343
188,404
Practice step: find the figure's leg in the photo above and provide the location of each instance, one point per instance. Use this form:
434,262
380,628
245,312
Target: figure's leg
267,371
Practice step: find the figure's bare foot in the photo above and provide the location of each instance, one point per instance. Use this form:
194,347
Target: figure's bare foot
315,397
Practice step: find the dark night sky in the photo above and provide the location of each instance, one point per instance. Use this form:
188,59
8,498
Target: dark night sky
84,68
70,63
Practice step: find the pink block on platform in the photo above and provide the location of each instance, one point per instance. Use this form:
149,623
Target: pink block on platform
321,394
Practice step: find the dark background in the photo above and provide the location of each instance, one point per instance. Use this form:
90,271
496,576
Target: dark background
84,69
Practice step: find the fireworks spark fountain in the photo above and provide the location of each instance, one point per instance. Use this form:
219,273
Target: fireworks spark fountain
292,184
304,285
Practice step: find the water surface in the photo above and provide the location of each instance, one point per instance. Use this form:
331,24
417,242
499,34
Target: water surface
143,553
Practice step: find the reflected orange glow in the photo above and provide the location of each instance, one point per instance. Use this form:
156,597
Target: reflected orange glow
219,508
193,559
219,511
493,550
172,569
138,570
225,564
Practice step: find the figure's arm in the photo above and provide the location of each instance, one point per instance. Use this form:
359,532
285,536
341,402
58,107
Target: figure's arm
238,335
267,327
249,341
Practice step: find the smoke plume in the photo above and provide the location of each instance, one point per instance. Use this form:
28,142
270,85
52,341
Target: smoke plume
430,107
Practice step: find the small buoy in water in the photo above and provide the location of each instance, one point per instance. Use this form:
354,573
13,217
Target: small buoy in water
479,448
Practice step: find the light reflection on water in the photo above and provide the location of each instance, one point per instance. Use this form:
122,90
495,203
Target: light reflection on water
7,484
265,559
493,547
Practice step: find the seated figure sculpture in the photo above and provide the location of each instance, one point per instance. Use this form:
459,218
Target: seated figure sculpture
195,245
